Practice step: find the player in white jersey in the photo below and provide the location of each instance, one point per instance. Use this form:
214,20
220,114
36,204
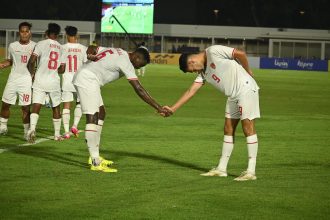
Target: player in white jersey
46,79
109,65
75,57
19,82
227,69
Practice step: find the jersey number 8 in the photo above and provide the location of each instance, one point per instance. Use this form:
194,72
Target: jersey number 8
52,63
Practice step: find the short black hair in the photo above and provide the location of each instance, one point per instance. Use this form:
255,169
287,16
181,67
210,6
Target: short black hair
53,28
71,31
24,24
183,61
144,51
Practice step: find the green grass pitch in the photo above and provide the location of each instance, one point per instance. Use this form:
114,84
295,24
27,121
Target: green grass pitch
160,159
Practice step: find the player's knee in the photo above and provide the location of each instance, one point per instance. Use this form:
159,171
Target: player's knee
229,130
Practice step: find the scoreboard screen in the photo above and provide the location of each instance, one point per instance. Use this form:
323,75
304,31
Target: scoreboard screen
135,16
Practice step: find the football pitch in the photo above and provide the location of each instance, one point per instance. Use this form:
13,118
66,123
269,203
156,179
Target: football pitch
159,160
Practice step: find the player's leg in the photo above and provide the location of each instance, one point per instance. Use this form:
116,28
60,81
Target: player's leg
34,117
231,121
24,100
100,121
77,117
67,98
249,107
89,100
5,113
26,119
8,98
56,103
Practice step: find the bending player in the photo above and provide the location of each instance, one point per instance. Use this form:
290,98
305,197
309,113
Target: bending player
46,79
75,57
217,65
109,65
19,81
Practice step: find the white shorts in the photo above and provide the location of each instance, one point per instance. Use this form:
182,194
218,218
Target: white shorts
68,96
90,100
40,97
244,107
12,90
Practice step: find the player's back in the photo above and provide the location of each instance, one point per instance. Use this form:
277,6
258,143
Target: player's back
111,64
20,55
50,57
75,55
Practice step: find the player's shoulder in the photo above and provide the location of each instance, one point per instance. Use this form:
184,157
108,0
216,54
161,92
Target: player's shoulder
32,43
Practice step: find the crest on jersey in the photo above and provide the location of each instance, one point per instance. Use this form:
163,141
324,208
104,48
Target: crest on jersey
212,65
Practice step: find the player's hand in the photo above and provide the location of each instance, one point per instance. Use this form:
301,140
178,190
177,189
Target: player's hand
165,112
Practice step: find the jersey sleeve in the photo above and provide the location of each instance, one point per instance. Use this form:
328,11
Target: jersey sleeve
199,79
84,58
64,53
127,69
37,50
221,52
10,52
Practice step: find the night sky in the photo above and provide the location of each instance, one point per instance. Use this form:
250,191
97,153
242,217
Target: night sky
256,13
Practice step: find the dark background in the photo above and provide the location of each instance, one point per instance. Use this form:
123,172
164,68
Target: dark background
255,13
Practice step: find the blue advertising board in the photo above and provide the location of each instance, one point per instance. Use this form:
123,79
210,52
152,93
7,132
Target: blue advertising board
293,64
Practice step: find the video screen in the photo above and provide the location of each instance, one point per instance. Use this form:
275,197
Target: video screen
135,16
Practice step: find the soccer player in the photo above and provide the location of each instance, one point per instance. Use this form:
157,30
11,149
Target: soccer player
19,81
109,65
75,57
227,69
46,79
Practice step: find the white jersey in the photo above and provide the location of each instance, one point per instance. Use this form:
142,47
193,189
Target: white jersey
225,74
112,64
75,55
50,54
20,54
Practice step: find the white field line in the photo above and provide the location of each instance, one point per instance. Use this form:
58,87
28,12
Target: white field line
40,140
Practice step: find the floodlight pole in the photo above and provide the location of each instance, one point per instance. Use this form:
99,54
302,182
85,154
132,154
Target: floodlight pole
136,45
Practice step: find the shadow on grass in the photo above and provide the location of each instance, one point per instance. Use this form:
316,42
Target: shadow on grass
161,159
48,153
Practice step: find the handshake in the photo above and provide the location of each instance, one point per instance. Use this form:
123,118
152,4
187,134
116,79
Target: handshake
165,111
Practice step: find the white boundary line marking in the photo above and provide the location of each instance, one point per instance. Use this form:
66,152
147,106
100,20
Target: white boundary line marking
40,140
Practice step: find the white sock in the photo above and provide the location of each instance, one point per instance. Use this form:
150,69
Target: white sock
33,121
66,119
252,145
3,123
91,139
57,127
227,148
26,128
77,115
99,131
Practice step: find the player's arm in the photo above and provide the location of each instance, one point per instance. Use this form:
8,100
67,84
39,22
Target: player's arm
241,57
144,95
186,96
61,69
32,64
6,63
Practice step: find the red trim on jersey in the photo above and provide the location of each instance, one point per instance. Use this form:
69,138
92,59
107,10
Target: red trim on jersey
253,142
228,142
232,54
91,130
198,82
133,79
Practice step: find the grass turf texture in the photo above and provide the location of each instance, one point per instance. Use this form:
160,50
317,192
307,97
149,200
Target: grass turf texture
159,160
